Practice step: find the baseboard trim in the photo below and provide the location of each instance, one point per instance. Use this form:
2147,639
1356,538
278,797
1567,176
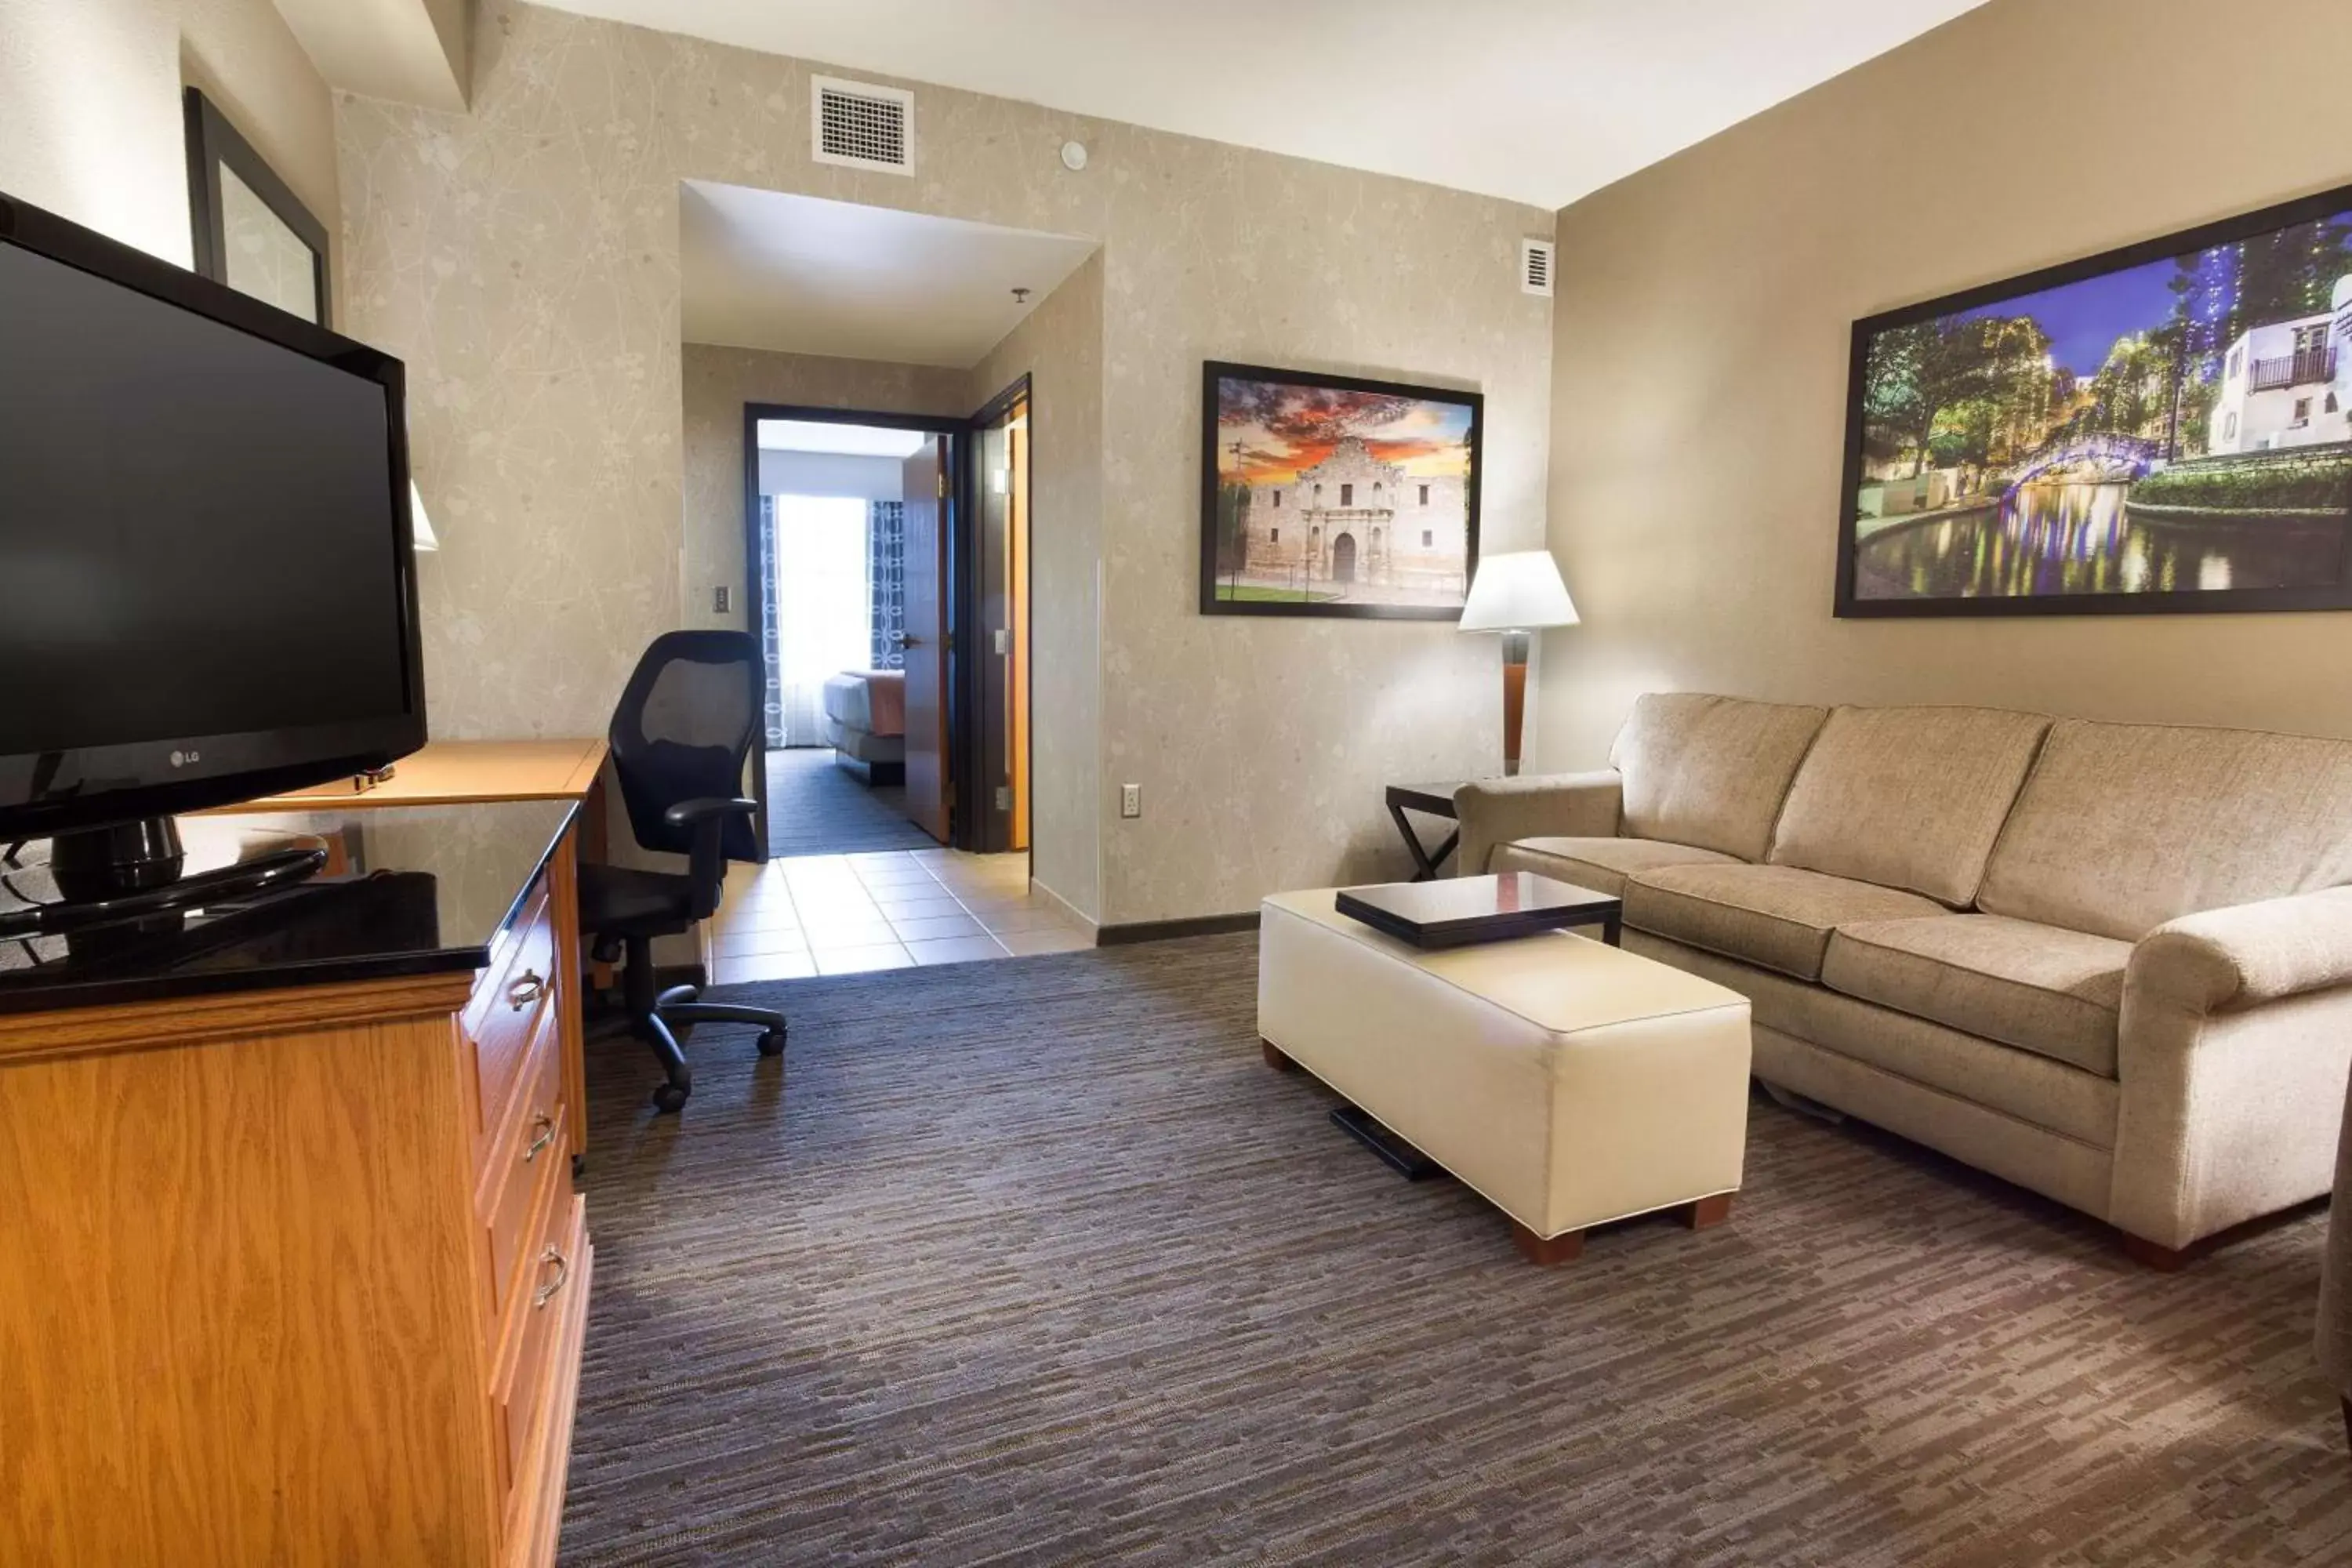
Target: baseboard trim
1068,910
1168,931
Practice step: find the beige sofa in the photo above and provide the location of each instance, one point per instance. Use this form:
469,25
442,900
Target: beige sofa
2110,962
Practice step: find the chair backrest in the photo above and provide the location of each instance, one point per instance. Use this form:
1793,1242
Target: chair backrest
682,731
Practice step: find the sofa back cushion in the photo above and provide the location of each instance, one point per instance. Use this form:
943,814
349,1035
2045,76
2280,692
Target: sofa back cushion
1710,771
2121,827
1908,798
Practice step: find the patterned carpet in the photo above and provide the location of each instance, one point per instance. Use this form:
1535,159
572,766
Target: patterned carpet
1035,1262
815,807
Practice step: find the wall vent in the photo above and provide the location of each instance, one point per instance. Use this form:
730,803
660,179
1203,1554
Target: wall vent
862,126
1536,258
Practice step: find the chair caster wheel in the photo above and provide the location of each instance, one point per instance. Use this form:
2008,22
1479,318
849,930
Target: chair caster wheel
771,1042
669,1096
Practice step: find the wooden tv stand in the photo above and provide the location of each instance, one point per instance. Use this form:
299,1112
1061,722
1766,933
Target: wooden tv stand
292,1270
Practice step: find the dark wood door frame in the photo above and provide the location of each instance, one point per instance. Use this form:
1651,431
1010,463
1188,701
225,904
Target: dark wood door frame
972,756
963,552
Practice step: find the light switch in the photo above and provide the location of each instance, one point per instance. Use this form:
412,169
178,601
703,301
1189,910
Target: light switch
1003,641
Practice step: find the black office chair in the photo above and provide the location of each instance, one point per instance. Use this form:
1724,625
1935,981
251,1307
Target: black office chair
679,739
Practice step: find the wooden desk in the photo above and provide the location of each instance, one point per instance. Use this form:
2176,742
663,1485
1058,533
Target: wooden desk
449,772
458,772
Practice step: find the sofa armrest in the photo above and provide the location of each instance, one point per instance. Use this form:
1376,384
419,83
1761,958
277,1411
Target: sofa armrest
2232,1054
2248,954
1557,805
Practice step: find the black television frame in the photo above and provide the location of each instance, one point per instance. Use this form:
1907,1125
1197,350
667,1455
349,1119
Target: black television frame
49,793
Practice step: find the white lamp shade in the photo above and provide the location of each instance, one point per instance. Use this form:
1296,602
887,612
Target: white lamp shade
1518,590
421,526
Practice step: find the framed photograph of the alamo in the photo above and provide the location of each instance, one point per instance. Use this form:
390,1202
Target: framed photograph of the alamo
1327,495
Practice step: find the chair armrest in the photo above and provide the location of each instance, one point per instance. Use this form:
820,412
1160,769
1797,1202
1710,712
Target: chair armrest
2248,954
1557,805
706,862
694,812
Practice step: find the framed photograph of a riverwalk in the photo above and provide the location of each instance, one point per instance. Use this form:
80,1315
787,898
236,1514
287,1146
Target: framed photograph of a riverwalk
1328,495
2162,429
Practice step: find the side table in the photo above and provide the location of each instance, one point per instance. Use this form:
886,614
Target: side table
1429,800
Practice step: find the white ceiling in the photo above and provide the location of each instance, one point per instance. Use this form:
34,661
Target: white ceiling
797,274
410,51
1539,100
841,440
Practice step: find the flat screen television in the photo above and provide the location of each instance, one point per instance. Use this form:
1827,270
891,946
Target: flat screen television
207,582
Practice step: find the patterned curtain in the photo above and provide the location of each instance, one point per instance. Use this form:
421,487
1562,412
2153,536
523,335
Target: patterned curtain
771,651
886,572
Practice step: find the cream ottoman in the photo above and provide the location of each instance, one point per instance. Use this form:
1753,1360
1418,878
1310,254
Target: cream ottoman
1568,1082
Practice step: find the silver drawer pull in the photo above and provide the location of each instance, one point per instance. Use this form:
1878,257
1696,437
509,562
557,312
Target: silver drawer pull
546,1125
526,991
546,1292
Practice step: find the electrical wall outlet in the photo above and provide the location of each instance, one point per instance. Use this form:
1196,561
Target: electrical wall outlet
1130,800
1003,797
1003,641
718,600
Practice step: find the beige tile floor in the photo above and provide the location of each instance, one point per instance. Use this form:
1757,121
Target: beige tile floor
839,914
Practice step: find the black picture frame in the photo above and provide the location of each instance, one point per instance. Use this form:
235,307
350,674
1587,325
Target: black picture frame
1215,371
212,144
2186,243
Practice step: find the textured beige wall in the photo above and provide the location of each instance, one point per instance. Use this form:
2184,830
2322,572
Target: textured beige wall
1703,324
1060,346
90,108
716,383
523,260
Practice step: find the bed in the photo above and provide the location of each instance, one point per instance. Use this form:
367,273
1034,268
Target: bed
865,722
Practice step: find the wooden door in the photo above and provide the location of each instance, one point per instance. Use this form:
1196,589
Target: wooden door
925,640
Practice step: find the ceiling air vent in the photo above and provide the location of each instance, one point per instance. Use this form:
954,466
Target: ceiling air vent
863,126
1535,267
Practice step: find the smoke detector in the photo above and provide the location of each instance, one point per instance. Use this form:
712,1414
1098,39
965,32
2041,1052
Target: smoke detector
1535,259
859,126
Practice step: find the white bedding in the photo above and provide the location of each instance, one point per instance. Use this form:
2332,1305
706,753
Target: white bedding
849,701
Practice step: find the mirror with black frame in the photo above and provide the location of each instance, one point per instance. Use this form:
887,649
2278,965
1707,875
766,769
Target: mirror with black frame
251,232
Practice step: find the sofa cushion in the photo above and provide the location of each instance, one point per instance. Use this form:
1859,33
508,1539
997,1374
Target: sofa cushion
2121,827
2041,988
1777,916
1880,1042
1908,798
1710,771
1600,864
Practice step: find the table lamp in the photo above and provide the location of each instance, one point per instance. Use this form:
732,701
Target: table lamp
1514,593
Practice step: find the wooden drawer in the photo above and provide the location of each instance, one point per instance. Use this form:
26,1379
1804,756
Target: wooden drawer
519,985
534,1512
552,1305
529,1155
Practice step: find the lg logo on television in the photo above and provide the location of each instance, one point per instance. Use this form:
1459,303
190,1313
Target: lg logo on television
183,759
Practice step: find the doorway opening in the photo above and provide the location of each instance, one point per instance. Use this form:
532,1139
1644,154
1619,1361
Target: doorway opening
848,521
818,332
